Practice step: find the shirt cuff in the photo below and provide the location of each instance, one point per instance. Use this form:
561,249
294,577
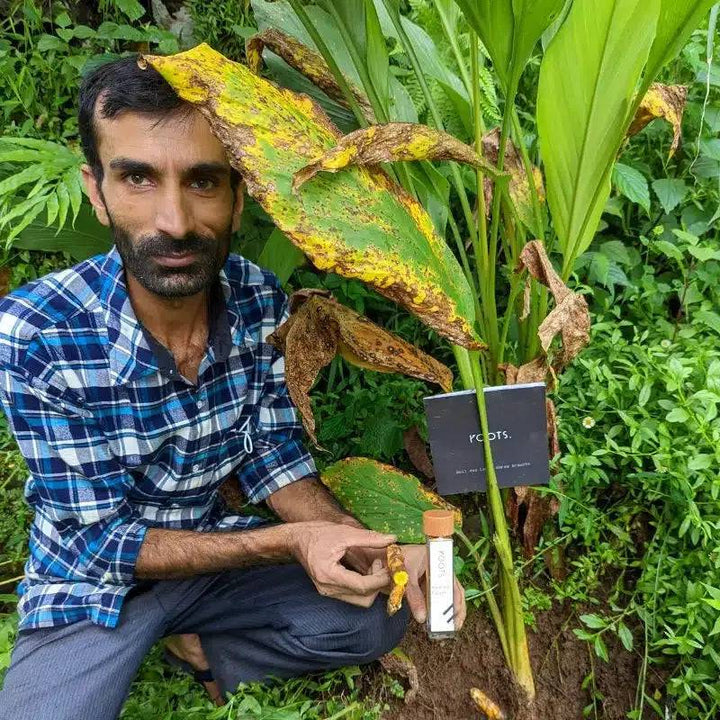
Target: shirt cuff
122,549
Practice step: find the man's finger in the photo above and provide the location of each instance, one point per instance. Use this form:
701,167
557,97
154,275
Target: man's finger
415,599
460,605
368,538
358,584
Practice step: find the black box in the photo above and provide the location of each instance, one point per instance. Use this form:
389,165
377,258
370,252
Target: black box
518,438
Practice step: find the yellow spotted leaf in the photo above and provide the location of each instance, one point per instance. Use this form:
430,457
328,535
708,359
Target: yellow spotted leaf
392,142
662,101
358,223
384,498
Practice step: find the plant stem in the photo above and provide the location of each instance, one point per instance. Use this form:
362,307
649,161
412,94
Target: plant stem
452,39
512,602
492,603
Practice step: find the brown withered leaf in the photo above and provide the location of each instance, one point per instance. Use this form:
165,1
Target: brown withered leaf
662,101
392,142
320,327
306,61
525,507
399,663
536,370
570,317
417,452
518,187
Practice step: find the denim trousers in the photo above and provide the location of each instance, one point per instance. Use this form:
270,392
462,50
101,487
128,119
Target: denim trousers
253,624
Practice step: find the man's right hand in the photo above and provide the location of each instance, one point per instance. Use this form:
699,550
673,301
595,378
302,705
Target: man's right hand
320,546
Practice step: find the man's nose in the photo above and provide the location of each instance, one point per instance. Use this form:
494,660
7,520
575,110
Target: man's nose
173,216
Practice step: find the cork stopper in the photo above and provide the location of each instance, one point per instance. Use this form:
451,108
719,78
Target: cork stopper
438,523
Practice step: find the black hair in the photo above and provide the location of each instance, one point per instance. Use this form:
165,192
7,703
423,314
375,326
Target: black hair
121,85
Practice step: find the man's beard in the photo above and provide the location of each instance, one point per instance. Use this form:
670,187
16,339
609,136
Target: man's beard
139,255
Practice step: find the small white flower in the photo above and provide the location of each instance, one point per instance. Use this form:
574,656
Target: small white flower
665,344
588,422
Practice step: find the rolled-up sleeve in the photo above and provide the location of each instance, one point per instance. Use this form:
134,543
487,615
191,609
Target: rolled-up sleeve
279,456
84,528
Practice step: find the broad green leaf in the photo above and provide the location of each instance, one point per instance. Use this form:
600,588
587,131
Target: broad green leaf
131,8
280,256
588,79
86,239
593,621
670,192
632,184
709,319
357,223
677,20
625,636
509,30
384,498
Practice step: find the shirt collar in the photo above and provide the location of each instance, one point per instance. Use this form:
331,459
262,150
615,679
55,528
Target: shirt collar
131,355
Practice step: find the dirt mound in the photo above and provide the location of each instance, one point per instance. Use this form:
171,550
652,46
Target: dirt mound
561,662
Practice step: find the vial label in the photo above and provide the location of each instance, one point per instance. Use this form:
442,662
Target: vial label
440,586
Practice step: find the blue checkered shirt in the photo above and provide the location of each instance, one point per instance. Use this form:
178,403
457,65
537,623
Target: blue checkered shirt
118,441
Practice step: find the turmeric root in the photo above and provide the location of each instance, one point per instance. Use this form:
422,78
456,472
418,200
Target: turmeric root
398,573
485,705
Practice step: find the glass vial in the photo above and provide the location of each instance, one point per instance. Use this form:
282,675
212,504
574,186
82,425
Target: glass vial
438,527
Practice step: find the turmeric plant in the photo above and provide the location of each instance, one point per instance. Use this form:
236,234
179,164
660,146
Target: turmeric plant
331,198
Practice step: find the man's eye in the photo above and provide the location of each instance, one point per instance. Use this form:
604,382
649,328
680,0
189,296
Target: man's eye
203,184
137,179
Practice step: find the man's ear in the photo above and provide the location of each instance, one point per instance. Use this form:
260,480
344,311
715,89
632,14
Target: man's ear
92,187
239,203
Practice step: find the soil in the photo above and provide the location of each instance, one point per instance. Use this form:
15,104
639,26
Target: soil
561,662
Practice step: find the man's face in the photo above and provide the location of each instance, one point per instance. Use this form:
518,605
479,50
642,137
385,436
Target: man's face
166,195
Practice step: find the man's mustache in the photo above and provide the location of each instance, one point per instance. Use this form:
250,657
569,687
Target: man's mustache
163,244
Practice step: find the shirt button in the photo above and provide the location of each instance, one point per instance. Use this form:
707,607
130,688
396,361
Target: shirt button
200,403
106,578
196,467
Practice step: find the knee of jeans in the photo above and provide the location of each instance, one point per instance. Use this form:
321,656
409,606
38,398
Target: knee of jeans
369,633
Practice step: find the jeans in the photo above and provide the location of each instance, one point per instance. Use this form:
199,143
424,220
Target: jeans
253,624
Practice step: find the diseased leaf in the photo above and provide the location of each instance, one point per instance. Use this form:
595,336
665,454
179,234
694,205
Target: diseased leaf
320,327
358,223
518,187
306,61
392,142
570,317
384,498
662,101
417,451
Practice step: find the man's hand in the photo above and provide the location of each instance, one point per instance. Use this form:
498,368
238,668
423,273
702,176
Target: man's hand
366,560
416,566
320,546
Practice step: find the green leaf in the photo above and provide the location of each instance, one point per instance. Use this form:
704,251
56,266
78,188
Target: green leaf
632,184
601,648
86,239
678,415
703,254
669,250
50,42
132,8
509,30
280,256
593,621
709,319
616,251
625,636
675,24
700,462
588,79
28,175
384,498
670,192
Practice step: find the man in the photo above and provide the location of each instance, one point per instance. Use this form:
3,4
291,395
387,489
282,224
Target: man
136,383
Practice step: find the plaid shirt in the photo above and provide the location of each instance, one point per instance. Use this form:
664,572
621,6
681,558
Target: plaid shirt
118,441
